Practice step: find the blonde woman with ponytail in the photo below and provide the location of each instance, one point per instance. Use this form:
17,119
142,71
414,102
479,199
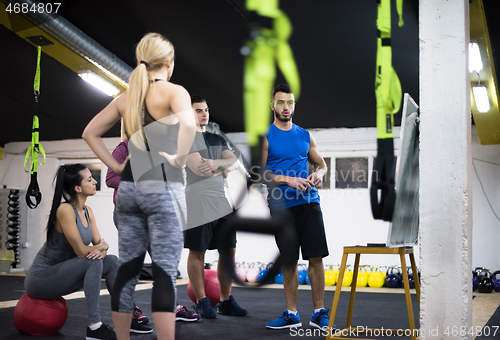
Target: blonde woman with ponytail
150,203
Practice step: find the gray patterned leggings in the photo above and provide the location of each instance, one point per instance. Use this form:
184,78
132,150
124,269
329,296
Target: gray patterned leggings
72,275
149,212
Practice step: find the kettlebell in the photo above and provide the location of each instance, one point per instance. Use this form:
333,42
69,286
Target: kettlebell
367,269
336,268
362,277
399,275
475,276
308,282
478,270
279,278
347,280
496,282
329,276
474,281
253,272
241,271
263,272
485,282
383,269
376,279
301,268
411,279
392,279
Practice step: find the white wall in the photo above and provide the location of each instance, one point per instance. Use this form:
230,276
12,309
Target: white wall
347,213
486,204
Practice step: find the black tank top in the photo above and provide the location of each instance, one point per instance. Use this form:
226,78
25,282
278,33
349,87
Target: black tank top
148,164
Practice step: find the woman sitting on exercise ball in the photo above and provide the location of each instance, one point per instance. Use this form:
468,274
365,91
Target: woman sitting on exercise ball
74,256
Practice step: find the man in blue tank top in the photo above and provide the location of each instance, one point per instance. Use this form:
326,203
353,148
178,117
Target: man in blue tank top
287,150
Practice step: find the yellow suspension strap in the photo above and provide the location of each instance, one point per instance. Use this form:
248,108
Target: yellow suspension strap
268,45
388,94
35,147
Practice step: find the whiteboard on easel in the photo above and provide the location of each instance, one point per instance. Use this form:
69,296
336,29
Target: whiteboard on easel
403,230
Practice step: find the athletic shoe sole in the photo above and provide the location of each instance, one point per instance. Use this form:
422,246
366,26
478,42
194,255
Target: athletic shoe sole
211,316
295,325
185,319
141,332
317,326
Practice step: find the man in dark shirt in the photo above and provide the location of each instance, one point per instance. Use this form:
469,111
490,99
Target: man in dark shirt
208,212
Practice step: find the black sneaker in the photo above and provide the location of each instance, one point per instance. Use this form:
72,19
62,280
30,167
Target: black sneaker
183,314
204,309
105,332
230,307
137,327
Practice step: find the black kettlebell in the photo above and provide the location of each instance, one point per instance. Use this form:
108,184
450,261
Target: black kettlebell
411,279
485,282
496,283
399,275
392,279
474,281
478,270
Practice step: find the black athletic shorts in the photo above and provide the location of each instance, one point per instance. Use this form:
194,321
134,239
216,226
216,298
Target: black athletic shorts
210,235
310,231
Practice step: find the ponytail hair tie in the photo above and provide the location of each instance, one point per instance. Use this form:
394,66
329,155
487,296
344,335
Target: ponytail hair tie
145,63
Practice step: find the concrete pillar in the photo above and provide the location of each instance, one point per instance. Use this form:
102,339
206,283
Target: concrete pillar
445,170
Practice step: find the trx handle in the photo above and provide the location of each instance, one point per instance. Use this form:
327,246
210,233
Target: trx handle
35,148
33,192
268,45
388,94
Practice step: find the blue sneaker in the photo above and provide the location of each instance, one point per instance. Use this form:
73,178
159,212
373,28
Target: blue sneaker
230,307
286,320
204,309
320,319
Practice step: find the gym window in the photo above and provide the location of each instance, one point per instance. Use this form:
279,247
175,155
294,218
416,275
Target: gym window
351,173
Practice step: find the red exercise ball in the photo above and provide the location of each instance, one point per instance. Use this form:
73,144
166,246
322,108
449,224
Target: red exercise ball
40,317
212,288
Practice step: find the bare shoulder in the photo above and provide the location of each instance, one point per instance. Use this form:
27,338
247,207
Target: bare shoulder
121,102
89,209
265,142
65,209
172,89
313,141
